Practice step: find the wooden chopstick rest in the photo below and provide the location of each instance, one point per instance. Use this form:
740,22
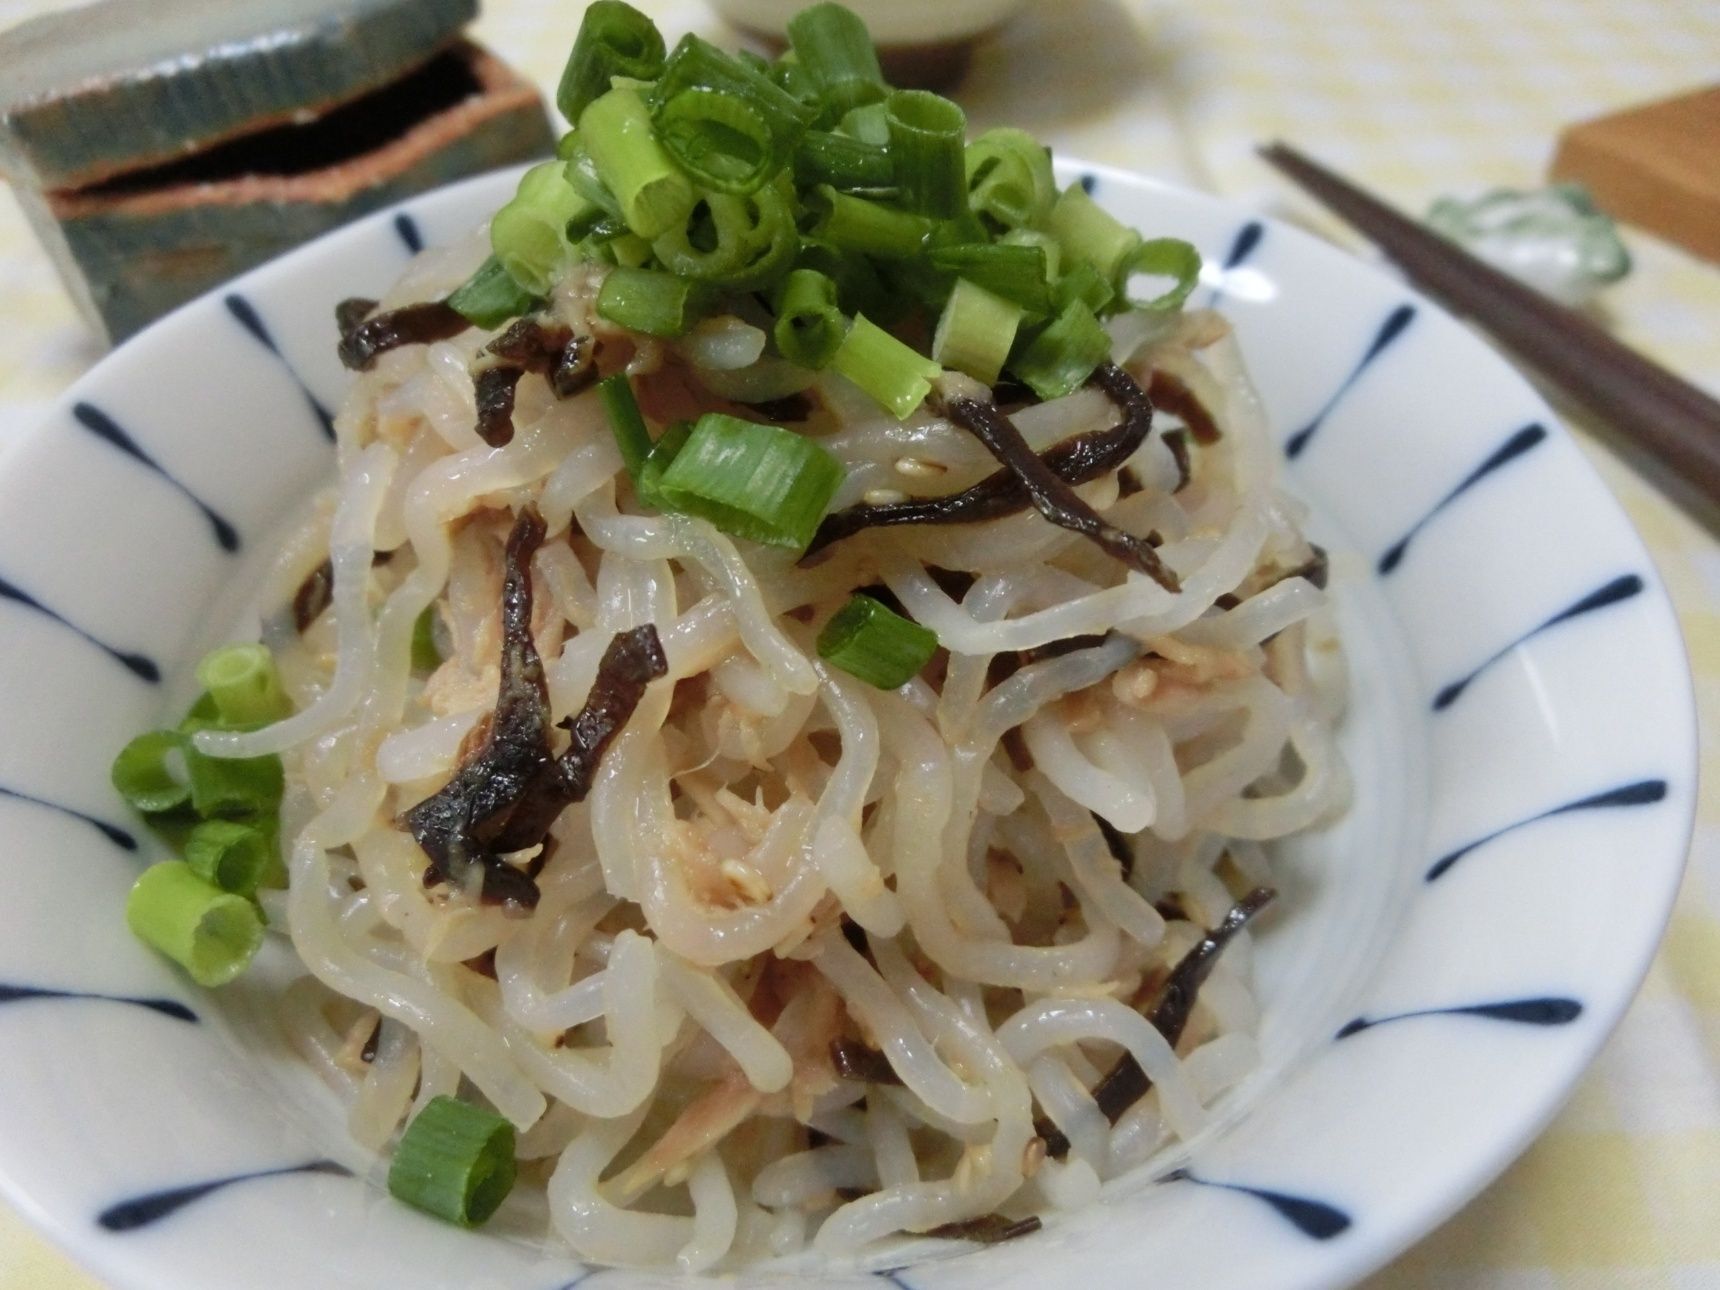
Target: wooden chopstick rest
160,147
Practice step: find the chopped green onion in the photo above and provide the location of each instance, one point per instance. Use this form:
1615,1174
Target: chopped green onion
795,81
529,234
698,64
1009,178
244,684
809,325
1089,234
649,301
741,243
847,165
859,289
1164,257
630,251
626,422
664,451
868,124
143,775
426,653
653,194
720,140
212,934
868,640
1083,283
851,223
926,133
233,787
234,857
834,49
491,296
757,482
599,203
455,1161
893,373
1017,273
1064,354
614,39
975,331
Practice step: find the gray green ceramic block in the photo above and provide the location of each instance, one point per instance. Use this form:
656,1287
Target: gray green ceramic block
161,146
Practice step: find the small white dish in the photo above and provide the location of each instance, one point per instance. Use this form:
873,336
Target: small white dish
1446,962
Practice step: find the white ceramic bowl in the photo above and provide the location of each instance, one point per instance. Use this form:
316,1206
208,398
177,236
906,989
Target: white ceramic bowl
1446,962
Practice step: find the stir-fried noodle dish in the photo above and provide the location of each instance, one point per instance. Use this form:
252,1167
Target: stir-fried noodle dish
772,738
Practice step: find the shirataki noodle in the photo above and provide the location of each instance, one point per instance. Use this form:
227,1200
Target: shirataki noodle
805,962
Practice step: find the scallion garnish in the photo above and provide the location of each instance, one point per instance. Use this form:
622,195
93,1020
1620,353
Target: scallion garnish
653,194
212,934
455,1161
614,39
757,482
242,682
975,332
649,301
1021,273
851,223
926,133
490,296
426,653
721,141
895,374
846,164
809,326
1162,257
144,773
865,638
626,422
1089,234
242,788
664,451
232,856
834,50
529,234
1009,178
1064,354
740,243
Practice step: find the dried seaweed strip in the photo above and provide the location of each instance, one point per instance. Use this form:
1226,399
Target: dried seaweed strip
493,388
1173,395
1177,442
855,1060
1052,495
575,367
352,311
1074,461
418,324
988,1229
1117,844
314,596
456,825
1126,1083
631,662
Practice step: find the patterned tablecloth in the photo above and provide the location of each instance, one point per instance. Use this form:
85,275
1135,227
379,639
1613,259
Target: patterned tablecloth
1413,100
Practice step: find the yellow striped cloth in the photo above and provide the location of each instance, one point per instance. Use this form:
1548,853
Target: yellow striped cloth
1413,100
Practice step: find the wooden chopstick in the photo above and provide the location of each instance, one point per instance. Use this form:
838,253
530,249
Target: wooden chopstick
1664,415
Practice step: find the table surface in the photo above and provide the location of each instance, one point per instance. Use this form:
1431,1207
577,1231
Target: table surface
1412,100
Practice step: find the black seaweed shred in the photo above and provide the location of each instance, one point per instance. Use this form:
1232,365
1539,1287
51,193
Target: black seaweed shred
1005,492
494,389
505,797
1126,1083
367,1054
855,1060
419,324
1117,844
548,348
1316,569
1177,442
352,311
631,662
1051,494
1174,396
314,595
988,1229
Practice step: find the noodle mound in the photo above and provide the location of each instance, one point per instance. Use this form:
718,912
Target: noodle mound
811,963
